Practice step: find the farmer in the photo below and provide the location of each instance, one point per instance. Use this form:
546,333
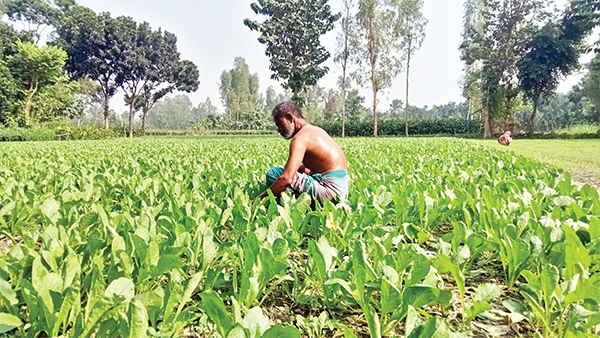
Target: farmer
505,138
316,164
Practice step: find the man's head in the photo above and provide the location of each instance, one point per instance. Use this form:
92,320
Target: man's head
287,115
507,132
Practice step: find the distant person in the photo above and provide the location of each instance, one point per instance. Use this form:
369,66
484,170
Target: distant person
316,164
505,138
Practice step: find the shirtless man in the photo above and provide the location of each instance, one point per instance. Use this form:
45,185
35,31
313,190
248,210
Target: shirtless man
316,164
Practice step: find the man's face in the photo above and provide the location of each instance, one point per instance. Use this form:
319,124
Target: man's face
285,127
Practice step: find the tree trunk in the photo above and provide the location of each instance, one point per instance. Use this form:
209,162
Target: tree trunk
486,116
106,113
144,116
598,109
532,119
486,122
33,89
470,110
374,111
131,104
344,101
407,74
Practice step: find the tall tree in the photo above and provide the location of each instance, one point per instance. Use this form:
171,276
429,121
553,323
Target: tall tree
472,48
172,113
36,16
495,38
333,101
239,89
553,52
270,99
34,68
355,105
292,34
94,45
347,40
152,68
413,34
380,26
591,85
166,75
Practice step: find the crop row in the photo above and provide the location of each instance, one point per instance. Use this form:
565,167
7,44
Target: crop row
162,238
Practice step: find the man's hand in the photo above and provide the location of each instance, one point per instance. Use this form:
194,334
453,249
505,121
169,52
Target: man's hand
303,169
263,195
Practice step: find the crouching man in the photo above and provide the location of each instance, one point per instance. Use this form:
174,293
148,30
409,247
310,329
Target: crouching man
316,164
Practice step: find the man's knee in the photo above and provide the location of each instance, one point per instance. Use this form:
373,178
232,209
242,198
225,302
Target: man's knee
273,174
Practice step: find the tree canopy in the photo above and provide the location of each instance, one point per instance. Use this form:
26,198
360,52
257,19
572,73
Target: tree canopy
292,33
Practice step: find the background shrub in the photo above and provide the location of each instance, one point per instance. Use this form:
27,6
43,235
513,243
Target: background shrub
395,127
26,134
90,133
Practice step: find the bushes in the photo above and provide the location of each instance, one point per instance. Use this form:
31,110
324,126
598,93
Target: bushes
395,127
91,133
23,134
45,134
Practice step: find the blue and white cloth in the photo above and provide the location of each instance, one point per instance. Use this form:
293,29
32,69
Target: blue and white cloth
320,187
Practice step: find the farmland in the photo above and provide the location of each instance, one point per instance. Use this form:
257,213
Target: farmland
162,238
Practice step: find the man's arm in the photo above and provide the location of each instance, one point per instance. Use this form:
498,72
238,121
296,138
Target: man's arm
297,150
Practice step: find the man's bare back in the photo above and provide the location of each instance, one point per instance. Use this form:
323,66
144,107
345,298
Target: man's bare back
316,164
323,155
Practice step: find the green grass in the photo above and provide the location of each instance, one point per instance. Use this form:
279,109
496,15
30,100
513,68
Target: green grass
581,158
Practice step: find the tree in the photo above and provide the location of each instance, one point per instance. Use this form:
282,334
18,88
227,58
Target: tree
413,34
10,99
203,110
171,113
270,99
346,45
591,85
333,101
36,15
379,31
292,35
34,68
553,52
94,45
151,68
239,89
166,75
495,38
395,110
355,105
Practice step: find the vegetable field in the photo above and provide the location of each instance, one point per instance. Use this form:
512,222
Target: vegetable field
162,238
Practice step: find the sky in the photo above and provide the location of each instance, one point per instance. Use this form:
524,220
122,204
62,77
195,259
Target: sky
211,33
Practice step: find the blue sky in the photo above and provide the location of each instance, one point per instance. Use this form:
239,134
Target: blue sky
211,33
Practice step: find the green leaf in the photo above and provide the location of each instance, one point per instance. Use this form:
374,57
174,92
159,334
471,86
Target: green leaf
122,287
487,292
348,333
563,201
214,307
9,322
279,331
256,322
138,319
189,291
390,297
413,320
50,208
7,293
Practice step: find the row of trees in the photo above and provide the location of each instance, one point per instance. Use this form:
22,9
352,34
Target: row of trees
378,38
114,53
517,51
